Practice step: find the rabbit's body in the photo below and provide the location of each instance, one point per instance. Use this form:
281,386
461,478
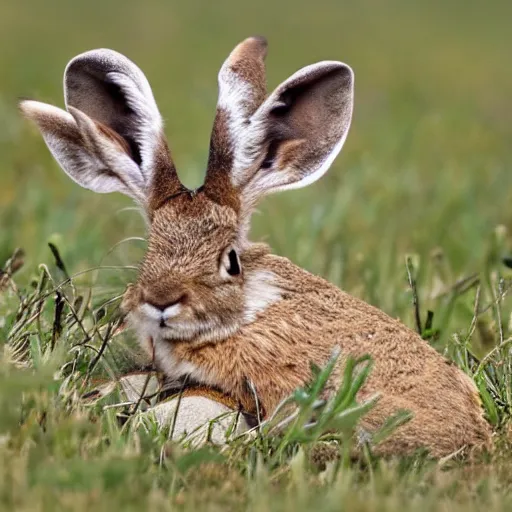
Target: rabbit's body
274,354
302,318
208,303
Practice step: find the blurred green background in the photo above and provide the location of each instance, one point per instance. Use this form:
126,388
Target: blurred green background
426,169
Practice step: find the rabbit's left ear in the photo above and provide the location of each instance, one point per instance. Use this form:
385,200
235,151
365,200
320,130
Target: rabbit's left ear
287,141
111,137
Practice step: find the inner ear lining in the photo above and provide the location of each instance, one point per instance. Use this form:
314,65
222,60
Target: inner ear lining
298,93
283,125
114,111
289,97
114,91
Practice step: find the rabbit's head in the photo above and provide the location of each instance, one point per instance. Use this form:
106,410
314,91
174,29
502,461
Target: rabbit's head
192,284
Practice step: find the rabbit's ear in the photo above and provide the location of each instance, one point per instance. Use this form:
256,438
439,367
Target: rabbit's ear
111,138
242,89
89,152
293,137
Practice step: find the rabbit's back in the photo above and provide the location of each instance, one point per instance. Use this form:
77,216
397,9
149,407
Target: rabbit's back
306,320
408,372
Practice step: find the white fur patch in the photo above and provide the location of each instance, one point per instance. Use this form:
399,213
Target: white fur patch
173,368
172,311
261,291
157,314
151,312
233,94
198,419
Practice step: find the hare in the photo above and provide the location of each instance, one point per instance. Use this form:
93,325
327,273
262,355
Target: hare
213,306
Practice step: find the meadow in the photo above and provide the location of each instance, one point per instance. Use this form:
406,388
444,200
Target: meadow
418,204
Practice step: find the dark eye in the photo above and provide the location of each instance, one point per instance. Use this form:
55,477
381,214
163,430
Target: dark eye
234,263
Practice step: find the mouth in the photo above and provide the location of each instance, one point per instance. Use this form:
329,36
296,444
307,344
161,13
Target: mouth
174,324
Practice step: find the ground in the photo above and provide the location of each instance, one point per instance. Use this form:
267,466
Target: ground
425,177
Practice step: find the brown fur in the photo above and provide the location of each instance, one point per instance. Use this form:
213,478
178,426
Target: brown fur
165,180
313,317
245,63
220,159
260,328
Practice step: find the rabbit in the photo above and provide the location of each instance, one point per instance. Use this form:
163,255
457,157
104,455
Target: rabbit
216,308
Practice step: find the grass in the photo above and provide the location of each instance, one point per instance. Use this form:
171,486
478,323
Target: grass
418,200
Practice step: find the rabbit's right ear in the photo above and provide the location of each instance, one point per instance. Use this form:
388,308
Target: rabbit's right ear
285,141
111,137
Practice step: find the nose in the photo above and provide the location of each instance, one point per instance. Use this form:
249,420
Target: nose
163,302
